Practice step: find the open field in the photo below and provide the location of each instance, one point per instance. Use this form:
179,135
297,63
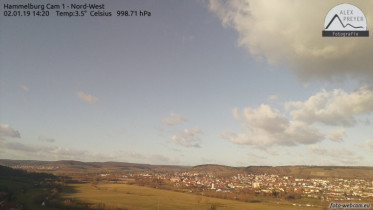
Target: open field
24,191
77,167
125,196
111,188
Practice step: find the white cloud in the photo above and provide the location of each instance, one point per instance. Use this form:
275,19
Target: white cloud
240,138
272,98
135,155
18,146
265,118
161,159
336,107
337,135
299,124
46,139
151,158
289,32
317,149
52,152
24,88
368,144
173,119
267,127
189,38
188,137
255,156
87,98
339,156
7,131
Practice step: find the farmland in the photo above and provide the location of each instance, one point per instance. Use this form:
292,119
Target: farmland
124,196
109,185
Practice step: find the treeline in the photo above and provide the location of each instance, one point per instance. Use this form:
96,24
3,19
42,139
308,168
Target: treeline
244,195
42,189
10,172
251,196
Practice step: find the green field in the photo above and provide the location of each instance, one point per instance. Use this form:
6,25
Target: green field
123,196
24,191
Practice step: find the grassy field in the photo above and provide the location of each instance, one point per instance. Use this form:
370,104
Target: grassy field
125,196
24,191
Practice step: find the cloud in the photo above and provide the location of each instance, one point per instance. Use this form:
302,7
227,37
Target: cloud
340,156
317,149
267,127
368,144
187,38
255,156
161,159
46,139
18,146
173,119
272,98
336,107
7,131
290,32
188,137
87,98
52,152
135,155
337,135
24,88
151,158
266,118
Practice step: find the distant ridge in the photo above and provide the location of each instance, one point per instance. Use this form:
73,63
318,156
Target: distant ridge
351,172
73,165
219,170
344,26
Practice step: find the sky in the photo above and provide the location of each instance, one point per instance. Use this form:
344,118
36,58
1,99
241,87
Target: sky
238,83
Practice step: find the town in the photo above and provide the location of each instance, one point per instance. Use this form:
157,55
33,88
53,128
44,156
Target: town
59,184
328,189
324,189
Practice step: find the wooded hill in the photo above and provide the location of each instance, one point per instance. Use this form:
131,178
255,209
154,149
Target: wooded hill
351,172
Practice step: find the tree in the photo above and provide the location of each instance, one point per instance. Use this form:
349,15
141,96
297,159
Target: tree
213,206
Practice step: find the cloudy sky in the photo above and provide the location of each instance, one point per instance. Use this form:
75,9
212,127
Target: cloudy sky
241,82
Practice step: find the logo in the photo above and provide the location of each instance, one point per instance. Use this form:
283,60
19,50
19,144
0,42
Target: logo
345,20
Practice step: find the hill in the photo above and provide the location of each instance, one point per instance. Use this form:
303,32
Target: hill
350,172
78,166
358,172
218,170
